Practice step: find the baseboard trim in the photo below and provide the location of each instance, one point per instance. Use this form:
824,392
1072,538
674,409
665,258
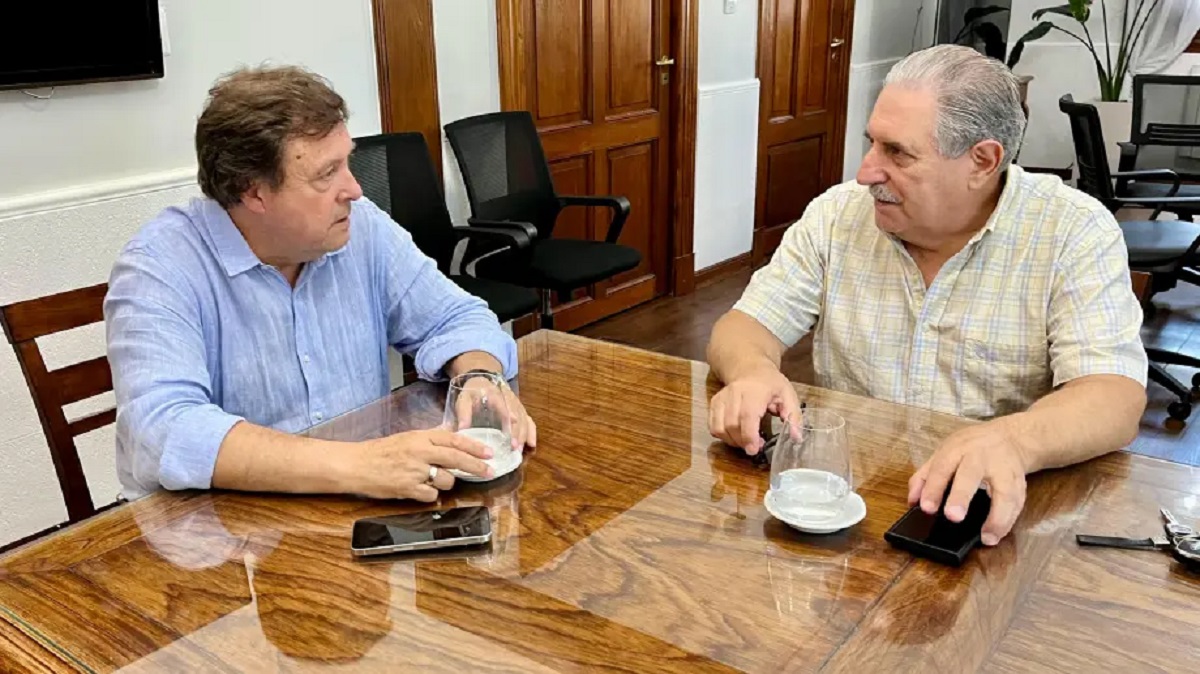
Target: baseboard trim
722,269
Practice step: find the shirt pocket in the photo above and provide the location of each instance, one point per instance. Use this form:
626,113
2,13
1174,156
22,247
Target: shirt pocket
1002,377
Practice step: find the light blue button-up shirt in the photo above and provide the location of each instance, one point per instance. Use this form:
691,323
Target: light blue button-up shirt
202,334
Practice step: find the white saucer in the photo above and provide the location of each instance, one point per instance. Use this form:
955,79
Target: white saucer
854,509
499,470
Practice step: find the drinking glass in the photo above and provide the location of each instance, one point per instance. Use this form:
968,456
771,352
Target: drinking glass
810,466
476,408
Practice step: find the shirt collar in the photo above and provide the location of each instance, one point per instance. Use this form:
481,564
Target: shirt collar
234,253
1008,197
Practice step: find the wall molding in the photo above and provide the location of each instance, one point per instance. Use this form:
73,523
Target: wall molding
95,192
737,86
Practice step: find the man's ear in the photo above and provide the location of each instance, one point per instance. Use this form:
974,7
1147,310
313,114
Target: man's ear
986,157
255,197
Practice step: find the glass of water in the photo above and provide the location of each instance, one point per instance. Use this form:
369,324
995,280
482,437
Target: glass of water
476,408
810,466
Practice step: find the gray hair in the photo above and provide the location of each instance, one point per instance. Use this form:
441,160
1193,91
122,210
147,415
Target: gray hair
977,98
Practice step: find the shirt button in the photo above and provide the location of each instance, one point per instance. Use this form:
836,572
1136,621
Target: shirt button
306,359
318,416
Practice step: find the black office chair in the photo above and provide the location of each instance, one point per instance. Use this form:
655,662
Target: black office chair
508,181
1164,248
1155,131
396,172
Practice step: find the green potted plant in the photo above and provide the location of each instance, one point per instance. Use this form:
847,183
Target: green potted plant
1111,74
987,37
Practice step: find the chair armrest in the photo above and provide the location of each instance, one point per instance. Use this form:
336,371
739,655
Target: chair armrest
1124,176
619,206
1159,203
510,236
526,228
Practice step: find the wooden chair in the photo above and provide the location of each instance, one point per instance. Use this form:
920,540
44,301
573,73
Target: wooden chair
52,390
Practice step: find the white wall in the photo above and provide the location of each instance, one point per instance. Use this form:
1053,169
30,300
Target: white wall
468,72
884,33
1059,65
83,170
726,132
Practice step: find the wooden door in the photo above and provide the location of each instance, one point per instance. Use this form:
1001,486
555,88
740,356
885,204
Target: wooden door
803,68
588,72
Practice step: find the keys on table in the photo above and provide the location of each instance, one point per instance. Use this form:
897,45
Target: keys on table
1182,541
1172,526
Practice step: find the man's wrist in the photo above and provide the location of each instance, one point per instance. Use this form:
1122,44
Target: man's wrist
1017,431
474,360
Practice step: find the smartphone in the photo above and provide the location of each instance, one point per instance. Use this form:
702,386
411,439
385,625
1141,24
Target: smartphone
429,530
938,539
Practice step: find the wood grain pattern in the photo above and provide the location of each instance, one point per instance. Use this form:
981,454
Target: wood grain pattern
22,654
586,70
685,37
52,390
803,64
628,541
406,67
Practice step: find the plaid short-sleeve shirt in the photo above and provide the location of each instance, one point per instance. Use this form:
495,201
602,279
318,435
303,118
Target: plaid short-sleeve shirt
1040,296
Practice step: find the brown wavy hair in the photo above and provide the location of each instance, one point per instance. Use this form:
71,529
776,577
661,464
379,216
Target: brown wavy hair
249,117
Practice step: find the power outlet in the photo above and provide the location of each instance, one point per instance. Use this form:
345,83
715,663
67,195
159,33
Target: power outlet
730,6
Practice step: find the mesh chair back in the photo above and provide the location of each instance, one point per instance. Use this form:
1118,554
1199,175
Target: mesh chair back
1094,176
504,169
396,172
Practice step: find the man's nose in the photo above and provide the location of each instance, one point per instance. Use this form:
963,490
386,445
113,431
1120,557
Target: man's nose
870,173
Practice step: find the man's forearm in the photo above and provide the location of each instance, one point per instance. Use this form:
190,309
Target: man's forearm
474,360
254,458
1086,418
741,346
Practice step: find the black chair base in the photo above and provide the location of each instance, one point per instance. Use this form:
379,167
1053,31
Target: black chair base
1181,409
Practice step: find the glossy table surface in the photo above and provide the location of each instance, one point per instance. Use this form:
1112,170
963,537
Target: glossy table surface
628,541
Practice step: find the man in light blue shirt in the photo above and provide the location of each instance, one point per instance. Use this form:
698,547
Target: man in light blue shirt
270,306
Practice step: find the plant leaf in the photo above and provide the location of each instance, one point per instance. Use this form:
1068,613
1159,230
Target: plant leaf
993,40
976,13
1037,32
1081,9
1064,10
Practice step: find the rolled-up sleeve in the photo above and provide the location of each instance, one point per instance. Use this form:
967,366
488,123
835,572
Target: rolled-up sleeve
785,295
167,423
1095,320
428,315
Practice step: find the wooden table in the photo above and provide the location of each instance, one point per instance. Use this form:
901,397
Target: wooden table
629,541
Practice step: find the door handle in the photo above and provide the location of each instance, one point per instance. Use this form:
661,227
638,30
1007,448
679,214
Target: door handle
837,42
665,61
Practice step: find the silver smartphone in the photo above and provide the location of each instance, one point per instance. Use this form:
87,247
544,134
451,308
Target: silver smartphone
429,530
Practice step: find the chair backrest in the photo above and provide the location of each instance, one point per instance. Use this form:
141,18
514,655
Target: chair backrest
1166,110
504,169
396,172
1090,156
52,390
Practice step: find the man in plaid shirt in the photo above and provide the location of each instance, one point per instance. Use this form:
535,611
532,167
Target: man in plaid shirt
949,279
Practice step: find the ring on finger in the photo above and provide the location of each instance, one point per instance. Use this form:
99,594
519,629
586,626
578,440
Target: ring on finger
433,473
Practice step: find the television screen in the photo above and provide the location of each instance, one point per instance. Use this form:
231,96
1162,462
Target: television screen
46,43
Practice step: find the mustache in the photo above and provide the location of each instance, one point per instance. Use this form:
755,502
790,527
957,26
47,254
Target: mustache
881,193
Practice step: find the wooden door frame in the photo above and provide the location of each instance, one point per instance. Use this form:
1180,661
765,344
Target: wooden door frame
838,157
685,34
406,68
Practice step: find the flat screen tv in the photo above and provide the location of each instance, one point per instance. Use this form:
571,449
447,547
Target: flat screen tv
44,43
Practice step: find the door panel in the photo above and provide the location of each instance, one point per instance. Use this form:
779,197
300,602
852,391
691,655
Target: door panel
601,104
804,51
562,71
572,175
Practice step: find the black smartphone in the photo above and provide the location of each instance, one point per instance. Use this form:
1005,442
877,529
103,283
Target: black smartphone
429,530
938,539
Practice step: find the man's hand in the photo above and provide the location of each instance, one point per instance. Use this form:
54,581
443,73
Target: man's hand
397,467
984,453
518,425
735,412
